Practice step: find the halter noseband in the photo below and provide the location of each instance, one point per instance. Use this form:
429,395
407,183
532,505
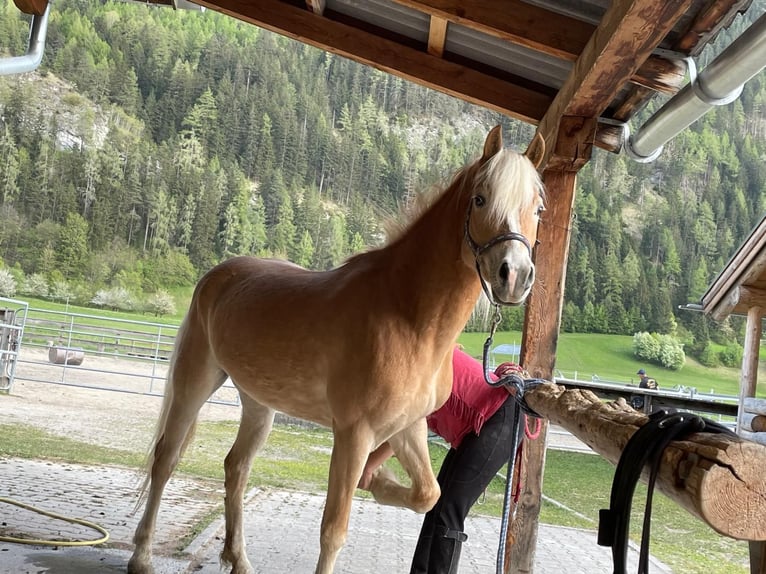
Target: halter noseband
478,250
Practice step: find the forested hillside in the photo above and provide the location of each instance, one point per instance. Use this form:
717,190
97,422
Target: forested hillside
153,143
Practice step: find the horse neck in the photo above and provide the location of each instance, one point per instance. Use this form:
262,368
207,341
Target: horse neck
437,289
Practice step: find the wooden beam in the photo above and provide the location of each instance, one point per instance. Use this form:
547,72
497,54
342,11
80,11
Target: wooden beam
538,353
389,56
542,30
437,36
515,21
708,24
36,7
574,144
717,478
748,261
623,40
753,423
739,297
754,406
759,437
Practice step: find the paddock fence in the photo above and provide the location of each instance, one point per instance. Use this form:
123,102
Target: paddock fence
88,351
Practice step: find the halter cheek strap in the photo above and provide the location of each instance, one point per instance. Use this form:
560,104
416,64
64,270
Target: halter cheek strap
478,249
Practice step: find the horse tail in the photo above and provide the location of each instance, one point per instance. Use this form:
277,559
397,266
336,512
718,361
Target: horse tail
159,432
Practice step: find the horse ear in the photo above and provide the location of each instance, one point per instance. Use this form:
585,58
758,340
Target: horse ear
536,150
493,144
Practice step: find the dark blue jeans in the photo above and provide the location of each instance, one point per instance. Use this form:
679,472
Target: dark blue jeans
464,475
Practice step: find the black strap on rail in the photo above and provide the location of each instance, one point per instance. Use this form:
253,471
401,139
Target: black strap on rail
644,447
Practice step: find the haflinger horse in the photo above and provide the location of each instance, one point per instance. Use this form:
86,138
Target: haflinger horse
364,348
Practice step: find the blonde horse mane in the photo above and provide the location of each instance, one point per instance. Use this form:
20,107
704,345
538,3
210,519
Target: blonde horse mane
506,170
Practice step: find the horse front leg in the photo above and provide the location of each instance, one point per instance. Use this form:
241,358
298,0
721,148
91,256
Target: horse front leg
254,429
349,453
411,448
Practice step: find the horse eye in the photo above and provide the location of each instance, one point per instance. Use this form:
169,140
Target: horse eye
540,211
479,200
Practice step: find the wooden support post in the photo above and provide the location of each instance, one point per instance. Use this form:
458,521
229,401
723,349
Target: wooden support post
757,557
749,375
747,385
541,331
717,478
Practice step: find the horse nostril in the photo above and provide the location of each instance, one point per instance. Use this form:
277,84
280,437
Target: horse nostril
504,272
530,277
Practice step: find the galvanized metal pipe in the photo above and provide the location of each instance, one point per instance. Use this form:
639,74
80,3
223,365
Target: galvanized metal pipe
38,29
718,84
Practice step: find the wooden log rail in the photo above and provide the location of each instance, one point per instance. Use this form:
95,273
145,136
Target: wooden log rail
753,422
719,479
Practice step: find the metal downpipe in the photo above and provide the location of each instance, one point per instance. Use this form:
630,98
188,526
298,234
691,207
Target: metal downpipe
720,83
38,30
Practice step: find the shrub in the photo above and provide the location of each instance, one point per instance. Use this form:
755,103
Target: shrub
115,298
646,347
664,350
671,353
35,285
709,357
7,283
731,356
161,303
61,290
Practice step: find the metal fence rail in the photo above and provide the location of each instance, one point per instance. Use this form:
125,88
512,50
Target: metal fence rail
112,354
13,315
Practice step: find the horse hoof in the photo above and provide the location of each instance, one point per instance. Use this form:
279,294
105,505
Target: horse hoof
136,566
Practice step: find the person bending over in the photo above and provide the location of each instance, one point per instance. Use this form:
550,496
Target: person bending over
477,421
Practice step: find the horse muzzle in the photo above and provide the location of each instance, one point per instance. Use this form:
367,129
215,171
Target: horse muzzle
512,281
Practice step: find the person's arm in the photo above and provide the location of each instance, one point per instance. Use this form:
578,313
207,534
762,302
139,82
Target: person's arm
374,461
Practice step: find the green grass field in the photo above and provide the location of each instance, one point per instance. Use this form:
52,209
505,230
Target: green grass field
610,357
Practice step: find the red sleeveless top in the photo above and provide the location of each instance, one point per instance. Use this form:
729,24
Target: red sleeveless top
471,402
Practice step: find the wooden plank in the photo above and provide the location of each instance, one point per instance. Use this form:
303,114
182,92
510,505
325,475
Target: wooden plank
754,405
538,354
753,423
390,56
437,35
759,437
717,478
623,40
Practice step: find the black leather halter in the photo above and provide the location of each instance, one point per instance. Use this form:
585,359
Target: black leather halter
478,249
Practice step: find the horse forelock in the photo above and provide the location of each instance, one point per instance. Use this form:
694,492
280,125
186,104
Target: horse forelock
512,183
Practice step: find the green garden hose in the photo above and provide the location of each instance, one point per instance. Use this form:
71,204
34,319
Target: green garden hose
85,523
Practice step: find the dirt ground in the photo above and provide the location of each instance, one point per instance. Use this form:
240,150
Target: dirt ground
109,418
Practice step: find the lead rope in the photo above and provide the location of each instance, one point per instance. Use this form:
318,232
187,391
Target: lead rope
518,384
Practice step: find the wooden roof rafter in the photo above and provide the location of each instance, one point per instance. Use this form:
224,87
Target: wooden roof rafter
563,42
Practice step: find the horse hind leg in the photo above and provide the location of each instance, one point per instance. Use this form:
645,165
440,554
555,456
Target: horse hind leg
411,449
190,383
254,429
